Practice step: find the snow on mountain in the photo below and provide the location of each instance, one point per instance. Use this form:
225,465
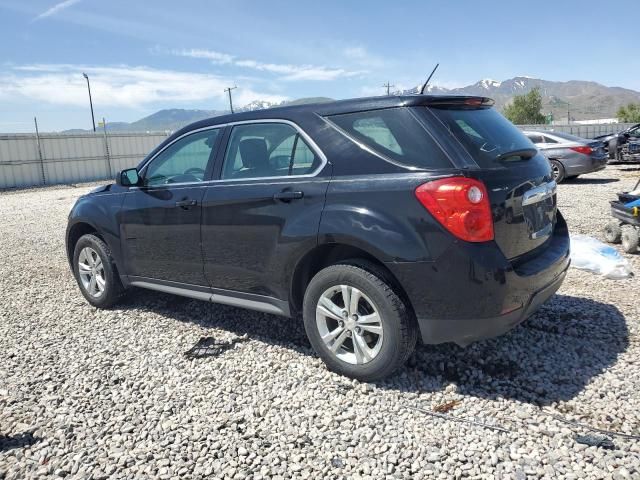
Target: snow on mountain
488,83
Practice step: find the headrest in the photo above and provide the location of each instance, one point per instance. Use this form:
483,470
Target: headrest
254,153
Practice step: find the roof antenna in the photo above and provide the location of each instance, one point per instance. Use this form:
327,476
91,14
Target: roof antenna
427,82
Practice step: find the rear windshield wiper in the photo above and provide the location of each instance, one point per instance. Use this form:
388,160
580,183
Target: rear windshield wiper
522,153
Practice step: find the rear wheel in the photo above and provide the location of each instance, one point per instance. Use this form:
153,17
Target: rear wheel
557,170
357,323
630,239
612,232
95,272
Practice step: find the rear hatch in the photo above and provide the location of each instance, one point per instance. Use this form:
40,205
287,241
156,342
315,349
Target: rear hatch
518,178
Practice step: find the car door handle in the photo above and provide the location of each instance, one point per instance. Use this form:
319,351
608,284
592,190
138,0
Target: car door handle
186,203
288,195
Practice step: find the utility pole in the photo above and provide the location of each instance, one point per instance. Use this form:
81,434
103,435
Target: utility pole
388,87
93,120
228,90
568,113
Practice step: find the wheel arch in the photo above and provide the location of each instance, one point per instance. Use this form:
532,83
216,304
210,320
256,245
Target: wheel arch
77,230
328,254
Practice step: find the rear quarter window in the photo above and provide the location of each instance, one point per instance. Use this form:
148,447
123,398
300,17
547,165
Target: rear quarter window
396,134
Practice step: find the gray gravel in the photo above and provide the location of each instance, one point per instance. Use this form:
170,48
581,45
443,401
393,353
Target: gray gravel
86,393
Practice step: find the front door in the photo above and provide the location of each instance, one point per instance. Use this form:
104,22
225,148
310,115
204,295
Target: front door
264,211
160,220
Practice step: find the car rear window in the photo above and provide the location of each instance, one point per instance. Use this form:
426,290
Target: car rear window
485,134
396,134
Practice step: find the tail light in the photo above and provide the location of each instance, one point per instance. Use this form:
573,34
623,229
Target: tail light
584,150
461,205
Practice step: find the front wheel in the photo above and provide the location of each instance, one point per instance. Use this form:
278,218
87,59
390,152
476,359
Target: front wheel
95,272
357,323
612,232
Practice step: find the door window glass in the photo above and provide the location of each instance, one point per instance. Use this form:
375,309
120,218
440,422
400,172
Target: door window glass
267,150
185,161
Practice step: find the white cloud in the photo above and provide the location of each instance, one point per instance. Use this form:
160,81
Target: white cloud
298,72
216,57
355,52
120,86
56,8
361,56
288,72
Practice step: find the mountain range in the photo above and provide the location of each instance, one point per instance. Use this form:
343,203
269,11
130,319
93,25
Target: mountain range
583,100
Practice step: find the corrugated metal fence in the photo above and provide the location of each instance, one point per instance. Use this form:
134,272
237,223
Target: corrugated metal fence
582,130
47,159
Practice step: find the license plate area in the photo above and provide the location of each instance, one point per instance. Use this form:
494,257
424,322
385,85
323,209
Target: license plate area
539,210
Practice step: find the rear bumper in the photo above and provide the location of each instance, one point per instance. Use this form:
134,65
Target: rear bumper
466,331
587,166
473,292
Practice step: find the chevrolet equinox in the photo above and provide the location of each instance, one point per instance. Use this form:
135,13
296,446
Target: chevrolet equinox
376,220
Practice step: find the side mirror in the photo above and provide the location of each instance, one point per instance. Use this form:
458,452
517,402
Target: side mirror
128,177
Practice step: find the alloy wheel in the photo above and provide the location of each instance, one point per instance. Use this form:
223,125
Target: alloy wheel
91,271
349,324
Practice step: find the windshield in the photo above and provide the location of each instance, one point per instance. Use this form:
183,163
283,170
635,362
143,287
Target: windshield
486,134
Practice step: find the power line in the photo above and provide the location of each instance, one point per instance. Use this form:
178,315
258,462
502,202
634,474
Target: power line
228,90
388,87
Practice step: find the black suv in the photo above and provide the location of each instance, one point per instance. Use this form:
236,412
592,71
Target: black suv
375,219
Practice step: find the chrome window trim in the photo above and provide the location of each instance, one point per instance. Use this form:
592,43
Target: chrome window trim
312,144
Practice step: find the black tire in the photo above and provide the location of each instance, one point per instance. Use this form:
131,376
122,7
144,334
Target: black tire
557,170
613,149
113,289
612,232
400,331
630,239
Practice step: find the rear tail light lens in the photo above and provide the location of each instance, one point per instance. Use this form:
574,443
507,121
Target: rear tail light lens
461,205
584,150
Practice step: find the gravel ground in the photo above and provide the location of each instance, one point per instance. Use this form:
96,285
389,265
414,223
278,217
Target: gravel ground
86,393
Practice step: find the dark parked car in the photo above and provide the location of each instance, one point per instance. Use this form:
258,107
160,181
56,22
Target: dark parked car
569,155
376,219
623,146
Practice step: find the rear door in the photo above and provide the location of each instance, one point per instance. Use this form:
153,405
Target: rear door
160,221
264,210
517,177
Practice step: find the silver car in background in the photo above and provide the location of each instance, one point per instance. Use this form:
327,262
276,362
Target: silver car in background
569,155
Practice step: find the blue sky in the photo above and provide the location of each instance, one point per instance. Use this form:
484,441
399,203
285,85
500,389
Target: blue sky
144,56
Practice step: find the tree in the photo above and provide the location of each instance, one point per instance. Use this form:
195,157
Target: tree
629,113
526,109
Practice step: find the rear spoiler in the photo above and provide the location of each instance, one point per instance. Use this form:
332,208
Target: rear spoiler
456,100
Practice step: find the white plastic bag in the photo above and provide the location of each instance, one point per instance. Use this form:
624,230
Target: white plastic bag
588,253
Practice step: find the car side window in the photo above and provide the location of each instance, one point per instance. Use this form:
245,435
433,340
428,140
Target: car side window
535,138
395,133
267,150
549,140
184,161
